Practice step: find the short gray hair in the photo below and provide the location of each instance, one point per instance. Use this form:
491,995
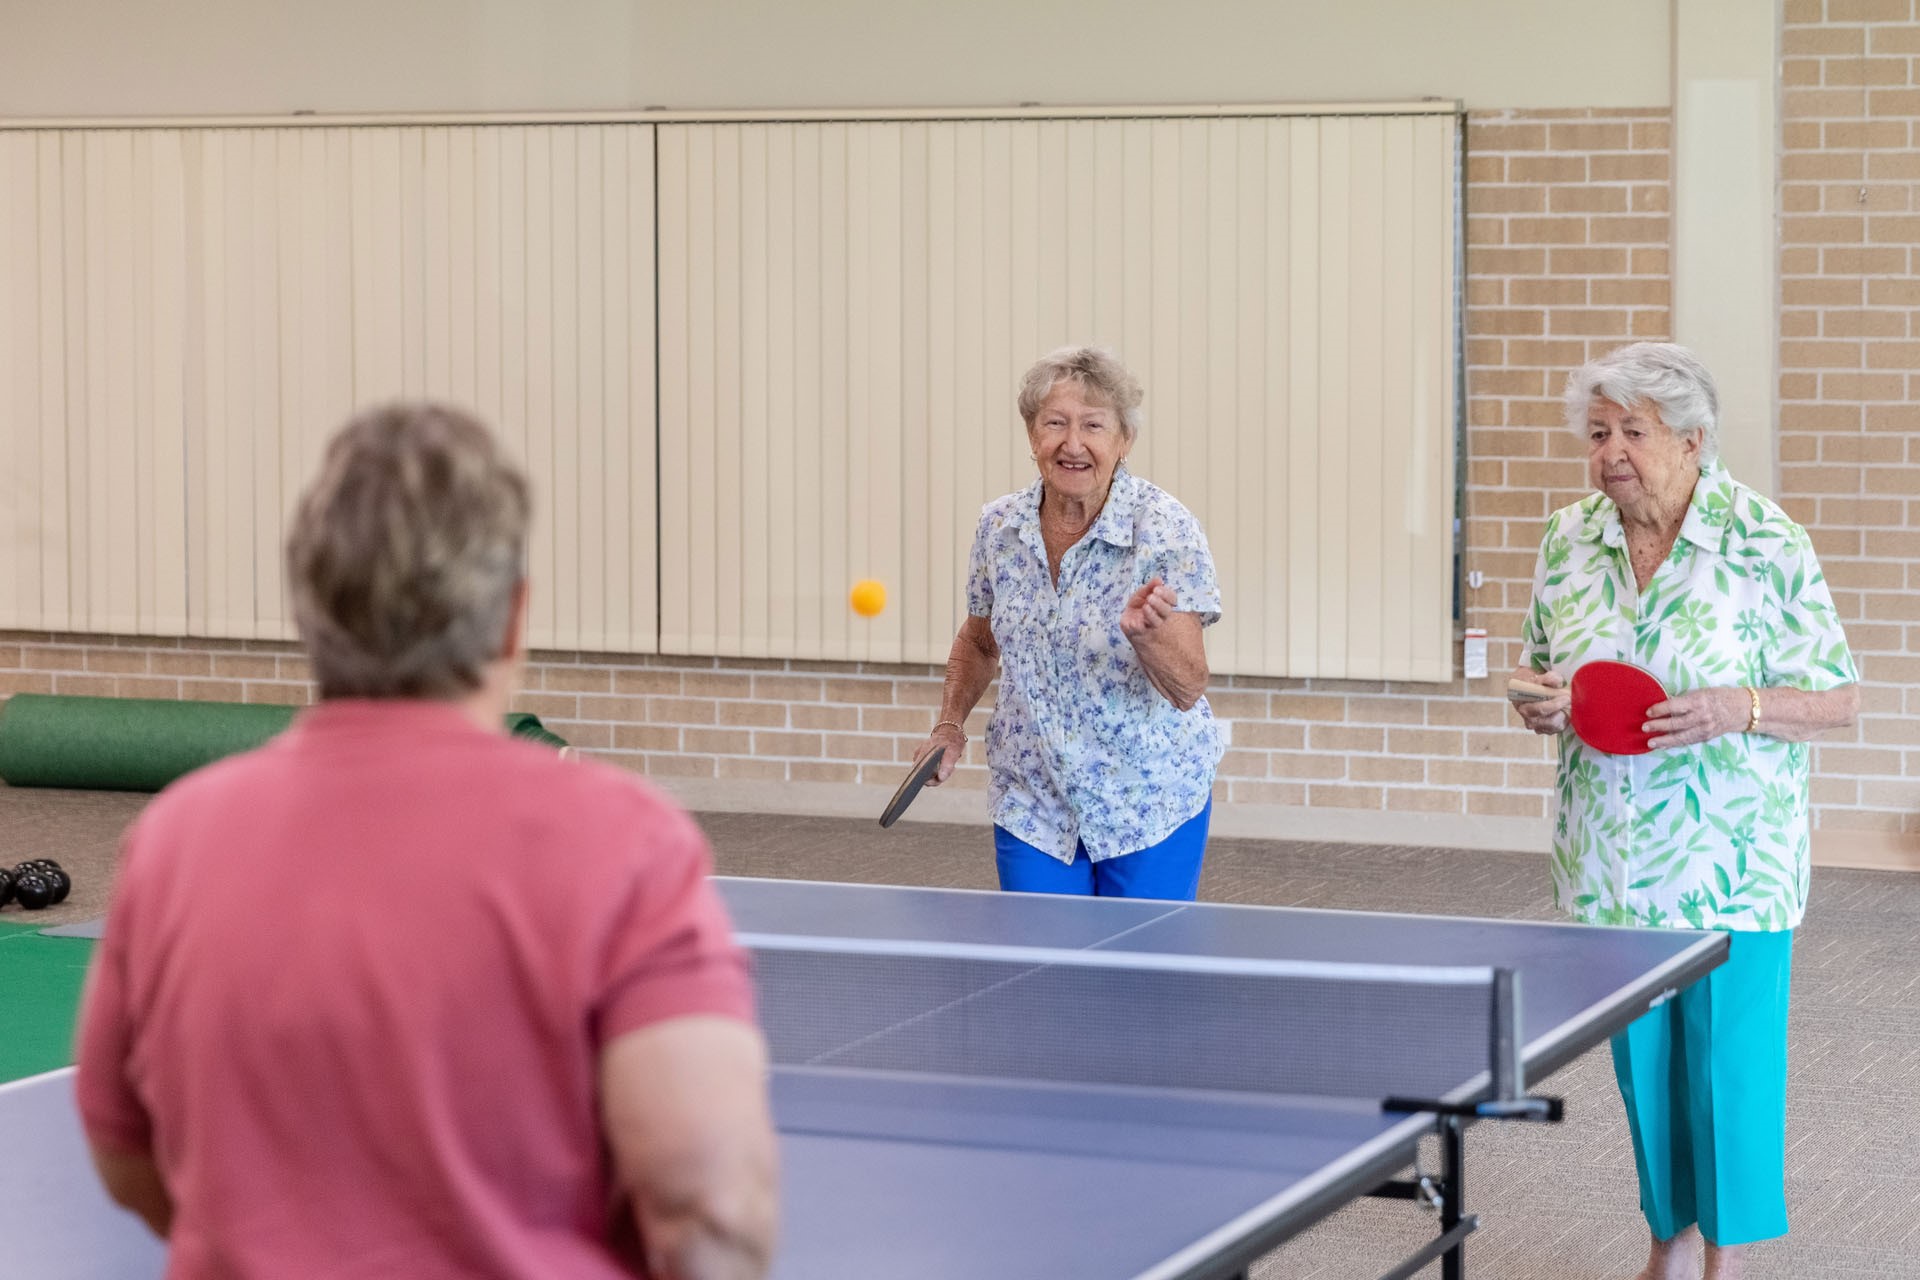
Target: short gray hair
1100,376
405,554
1663,374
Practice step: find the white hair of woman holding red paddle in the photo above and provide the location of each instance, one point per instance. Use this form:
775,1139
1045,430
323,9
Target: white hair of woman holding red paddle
1695,813
1086,593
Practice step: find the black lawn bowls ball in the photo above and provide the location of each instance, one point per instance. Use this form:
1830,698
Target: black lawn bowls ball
34,890
45,867
6,887
62,885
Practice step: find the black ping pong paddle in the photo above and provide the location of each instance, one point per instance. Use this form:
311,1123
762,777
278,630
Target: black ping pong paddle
910,786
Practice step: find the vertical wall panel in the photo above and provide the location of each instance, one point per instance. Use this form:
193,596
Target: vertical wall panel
536,416
1399,318
839,251
1431,457
414,338
702,368
1335,478
301,341
107,220
186,315
677,380
1242,630
722,491
928,218
20,515
1300,576
1368,318
1282,285
56,578
879,497
91,285
811,147
73,353
1231,442
1013,175
586,467
780,384
270,320
1270,621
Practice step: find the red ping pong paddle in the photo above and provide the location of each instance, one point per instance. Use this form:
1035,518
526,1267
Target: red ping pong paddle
1609,703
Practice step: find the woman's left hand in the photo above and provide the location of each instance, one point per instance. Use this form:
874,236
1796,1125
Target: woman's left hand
1148,609
1696,717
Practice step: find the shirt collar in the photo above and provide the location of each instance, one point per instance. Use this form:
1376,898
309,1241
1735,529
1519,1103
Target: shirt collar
1709,511
1114,524
405,715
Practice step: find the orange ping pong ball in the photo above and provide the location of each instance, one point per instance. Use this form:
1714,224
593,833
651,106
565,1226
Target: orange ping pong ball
868,598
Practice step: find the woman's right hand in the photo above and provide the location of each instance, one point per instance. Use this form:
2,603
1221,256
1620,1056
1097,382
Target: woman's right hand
955,742
1551,715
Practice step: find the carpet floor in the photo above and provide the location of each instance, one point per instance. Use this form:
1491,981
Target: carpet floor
1556,1201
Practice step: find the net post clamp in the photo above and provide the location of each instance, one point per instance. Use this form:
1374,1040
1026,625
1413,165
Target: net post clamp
1545,1110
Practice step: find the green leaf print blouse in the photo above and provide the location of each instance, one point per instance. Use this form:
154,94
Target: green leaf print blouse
1712,836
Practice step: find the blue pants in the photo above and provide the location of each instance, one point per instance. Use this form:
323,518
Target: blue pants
1170,869
1704,1078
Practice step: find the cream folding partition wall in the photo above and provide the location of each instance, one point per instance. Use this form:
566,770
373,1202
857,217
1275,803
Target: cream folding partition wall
846,307
93,288
187,313
843,307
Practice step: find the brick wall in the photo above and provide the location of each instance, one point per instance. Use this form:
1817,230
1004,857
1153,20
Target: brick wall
1849,442
748,720
146,667
1567,256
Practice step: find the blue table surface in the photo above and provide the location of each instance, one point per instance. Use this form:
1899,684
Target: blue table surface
1568,970
956,1178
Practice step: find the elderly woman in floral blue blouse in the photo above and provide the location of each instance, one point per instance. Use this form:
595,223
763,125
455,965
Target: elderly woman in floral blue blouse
1678,567
1087,592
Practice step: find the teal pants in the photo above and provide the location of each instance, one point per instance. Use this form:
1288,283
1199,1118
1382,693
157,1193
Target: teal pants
1704,1078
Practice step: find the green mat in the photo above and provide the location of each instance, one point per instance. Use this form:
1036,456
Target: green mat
41,980
525,724
142,744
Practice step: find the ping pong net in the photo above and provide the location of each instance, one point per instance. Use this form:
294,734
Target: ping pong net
1417,1038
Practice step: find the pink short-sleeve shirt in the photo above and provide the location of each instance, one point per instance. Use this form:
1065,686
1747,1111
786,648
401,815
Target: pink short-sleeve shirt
355,985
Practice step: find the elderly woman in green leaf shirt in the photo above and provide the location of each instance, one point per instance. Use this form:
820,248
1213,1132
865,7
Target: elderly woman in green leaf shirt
1674,565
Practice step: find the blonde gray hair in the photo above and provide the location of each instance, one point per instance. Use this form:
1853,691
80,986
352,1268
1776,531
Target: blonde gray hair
1099,375
1663,374
405,554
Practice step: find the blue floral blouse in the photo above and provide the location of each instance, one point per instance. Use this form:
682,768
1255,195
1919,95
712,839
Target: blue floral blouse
1081,746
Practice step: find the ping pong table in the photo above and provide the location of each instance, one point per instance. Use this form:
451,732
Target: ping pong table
973,1084
976,1084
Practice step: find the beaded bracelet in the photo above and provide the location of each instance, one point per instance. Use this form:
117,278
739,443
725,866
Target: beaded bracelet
1753,717
958,728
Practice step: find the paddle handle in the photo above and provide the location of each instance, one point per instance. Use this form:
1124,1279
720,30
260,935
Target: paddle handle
1528,691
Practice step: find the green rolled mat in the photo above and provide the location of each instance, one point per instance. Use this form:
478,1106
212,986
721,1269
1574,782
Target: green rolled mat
124,744
142,744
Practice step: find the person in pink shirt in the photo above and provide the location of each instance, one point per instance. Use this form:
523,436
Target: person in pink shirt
399,995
